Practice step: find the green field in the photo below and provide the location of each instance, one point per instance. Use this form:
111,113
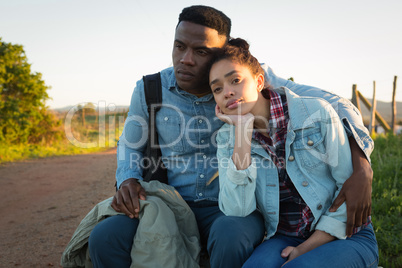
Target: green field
387,199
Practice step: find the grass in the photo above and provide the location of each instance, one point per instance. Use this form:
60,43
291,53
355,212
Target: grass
386,198
79,138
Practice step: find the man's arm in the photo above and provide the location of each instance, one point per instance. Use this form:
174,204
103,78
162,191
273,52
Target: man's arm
357,189
130,150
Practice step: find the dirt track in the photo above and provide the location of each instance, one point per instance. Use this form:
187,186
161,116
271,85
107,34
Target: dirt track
43,201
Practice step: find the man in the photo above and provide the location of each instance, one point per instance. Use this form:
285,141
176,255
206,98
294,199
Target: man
186,126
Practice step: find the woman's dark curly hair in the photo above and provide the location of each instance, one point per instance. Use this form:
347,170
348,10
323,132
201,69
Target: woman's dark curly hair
237,50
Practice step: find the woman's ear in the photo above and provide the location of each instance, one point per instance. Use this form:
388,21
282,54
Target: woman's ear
260,82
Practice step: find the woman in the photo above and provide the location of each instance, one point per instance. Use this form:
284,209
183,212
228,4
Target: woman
287,156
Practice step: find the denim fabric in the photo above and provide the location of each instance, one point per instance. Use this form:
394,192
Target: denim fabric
187,128
360,250
318,161
231,240
349,114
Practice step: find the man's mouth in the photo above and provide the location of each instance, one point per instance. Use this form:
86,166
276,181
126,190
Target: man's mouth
185,75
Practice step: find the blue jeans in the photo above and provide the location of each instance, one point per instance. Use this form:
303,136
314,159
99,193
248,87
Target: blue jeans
360,250
229,240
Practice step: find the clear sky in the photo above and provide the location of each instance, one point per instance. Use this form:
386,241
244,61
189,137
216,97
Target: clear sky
96,50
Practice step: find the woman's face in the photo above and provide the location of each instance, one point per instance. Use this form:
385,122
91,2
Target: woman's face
235,88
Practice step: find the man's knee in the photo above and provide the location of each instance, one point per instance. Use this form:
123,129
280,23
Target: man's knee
113,232
239,229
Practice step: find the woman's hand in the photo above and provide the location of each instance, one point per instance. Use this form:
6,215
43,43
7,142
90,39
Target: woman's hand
290,253
236,120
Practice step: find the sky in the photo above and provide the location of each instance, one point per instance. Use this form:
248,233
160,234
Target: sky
96,50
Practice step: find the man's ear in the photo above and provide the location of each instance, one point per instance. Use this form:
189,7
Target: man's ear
260,82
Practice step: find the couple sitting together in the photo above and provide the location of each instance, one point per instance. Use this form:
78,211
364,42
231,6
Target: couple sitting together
294,182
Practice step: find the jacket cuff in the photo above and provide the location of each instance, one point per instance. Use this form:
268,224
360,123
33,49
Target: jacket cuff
241,177
332,226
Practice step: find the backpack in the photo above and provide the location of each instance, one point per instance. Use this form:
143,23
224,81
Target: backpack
154,169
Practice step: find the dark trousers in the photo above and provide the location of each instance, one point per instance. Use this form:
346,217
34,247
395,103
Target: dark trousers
229,240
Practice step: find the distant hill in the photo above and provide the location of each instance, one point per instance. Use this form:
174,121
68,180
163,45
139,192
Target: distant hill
385,110
118,109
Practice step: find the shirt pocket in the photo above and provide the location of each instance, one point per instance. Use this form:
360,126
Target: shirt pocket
170,132
309,149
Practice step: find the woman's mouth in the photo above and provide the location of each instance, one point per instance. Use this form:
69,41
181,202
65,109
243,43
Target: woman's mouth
232,104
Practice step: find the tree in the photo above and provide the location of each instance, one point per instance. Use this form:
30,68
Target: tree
24,117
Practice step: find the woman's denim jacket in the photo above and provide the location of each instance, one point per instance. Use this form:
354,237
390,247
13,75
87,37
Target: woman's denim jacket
318,161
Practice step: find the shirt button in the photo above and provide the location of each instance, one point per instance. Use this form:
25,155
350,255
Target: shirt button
291,158
204,156
202,176
166,118
202,141
304,183
310,143
200,194
197,102
200,121
319,207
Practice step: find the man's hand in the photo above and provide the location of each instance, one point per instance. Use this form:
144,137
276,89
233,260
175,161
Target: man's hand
126,199
356,191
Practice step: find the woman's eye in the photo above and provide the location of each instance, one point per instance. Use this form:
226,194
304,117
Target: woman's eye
216,90
236,81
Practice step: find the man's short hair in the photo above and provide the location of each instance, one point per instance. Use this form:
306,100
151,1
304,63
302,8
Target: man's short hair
207,16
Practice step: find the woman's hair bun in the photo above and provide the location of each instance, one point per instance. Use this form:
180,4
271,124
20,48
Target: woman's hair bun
240,43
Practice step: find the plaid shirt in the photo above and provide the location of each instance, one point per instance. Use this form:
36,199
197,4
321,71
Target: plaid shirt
295,217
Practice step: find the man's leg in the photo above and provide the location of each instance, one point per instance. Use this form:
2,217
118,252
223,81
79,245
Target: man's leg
111,240
231,240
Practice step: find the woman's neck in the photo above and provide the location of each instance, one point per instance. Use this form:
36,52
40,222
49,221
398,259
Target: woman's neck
262,114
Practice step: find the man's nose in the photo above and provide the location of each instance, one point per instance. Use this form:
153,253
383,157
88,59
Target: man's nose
188,57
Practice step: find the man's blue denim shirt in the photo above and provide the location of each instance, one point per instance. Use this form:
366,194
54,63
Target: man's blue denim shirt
187,129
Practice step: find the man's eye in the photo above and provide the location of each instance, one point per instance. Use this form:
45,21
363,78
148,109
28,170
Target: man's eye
236,81
202,52
179,46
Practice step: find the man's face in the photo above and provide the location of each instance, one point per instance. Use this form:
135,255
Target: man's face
192,51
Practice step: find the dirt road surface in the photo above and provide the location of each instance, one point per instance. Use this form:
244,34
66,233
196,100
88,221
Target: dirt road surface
43,201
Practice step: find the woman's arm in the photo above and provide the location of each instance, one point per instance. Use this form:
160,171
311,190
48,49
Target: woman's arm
237,174
318,238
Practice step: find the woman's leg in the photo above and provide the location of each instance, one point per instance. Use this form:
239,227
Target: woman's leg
268,254
360,250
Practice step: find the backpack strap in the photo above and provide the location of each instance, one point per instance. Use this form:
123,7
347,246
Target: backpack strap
153,154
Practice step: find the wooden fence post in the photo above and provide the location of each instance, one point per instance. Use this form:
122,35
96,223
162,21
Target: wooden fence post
355,98
393,120
373,108
381,120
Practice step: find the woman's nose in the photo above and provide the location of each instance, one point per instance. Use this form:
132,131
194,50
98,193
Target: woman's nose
228,92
